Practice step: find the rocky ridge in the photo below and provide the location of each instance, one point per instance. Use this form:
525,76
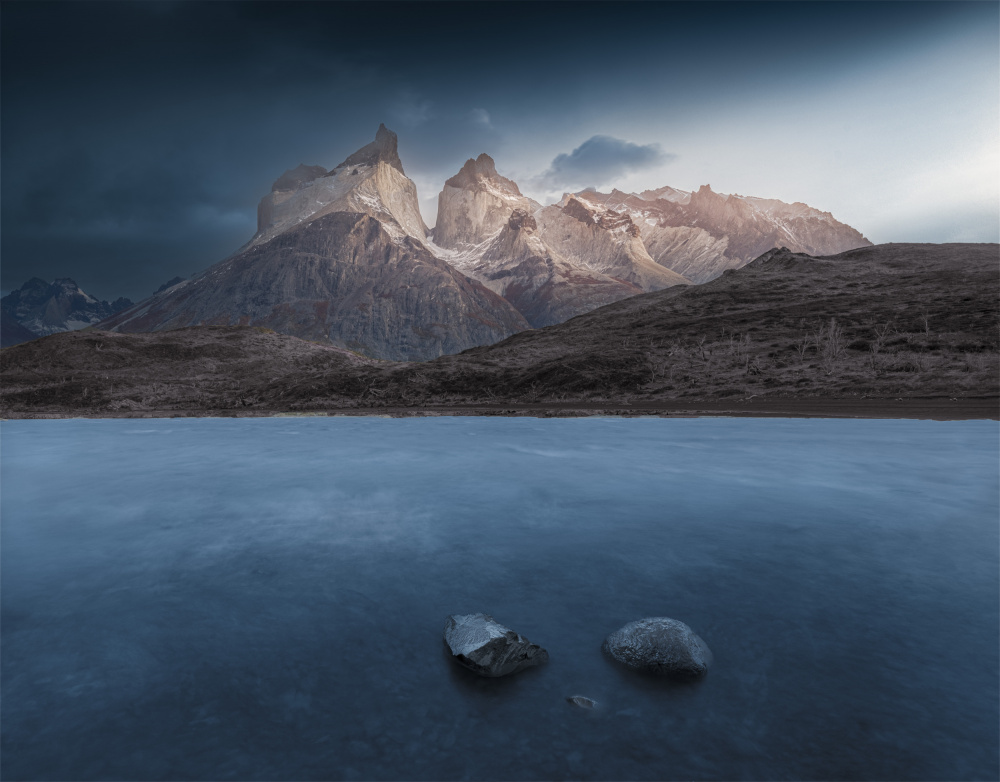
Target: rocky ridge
40,308
604,241
475,204
545,287
548,268
700,234
339,259
370,181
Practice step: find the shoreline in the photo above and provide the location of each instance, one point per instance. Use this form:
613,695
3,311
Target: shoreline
933,408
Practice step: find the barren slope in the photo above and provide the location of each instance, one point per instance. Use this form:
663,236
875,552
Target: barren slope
341,279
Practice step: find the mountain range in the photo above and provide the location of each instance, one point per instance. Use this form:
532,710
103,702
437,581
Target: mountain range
343,256
790,331
39,308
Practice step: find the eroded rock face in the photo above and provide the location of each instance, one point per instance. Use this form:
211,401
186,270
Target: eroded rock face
476,203
345,279
485,646
340,258
701,234
382,150
371,181
543,286
521,219
661,646
600,240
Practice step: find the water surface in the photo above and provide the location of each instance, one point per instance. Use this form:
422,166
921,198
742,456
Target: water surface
264,599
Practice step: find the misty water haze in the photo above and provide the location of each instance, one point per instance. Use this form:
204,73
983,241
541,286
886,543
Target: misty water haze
264,599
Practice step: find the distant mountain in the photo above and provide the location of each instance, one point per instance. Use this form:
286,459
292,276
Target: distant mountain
603,241
339,257
594,248
551,263
343,257
701,234
40,308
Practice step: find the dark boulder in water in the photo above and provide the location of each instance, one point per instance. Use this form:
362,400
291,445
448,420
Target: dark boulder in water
660,646
485,646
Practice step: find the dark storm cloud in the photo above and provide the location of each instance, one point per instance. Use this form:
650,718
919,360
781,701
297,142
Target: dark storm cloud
137,138
599,160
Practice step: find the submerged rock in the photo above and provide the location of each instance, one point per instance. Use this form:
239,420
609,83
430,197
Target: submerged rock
662,646
485,646
582,701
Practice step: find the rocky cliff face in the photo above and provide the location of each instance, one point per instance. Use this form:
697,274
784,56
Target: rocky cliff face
41,308
371,181
340,258
603,240
701,234
476,204
340,279
551,264
545,287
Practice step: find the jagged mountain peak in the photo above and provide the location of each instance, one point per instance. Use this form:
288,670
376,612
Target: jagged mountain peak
370,181
35,283
666,193
476,203
481,174
705,194
703,233
577,208
383,149
44,308
68,286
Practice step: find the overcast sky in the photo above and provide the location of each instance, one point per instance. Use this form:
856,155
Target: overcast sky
138,138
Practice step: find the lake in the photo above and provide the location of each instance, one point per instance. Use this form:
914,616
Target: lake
264,599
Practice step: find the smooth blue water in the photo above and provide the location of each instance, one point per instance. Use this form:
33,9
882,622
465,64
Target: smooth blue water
264,599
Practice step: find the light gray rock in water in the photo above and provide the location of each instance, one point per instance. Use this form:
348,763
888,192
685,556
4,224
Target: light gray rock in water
662,646
485,646
582,702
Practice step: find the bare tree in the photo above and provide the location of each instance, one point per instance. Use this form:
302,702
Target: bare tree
882,332
802,346
830,344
